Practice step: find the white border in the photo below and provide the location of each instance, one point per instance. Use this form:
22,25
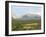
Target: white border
29,31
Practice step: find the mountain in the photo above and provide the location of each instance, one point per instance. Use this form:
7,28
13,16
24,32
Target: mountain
29,17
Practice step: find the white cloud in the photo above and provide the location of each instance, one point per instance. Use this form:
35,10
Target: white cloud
37,13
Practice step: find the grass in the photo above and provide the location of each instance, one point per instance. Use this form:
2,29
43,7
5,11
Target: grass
19,25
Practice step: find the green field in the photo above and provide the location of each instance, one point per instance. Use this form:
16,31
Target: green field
20,25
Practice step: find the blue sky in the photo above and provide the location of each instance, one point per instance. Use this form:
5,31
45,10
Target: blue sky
20,10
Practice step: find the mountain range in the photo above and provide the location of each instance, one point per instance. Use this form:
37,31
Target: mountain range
29,17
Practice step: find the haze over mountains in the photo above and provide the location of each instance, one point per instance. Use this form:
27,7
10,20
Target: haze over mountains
28,16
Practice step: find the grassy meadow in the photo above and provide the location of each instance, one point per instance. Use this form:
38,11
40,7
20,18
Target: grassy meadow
20,25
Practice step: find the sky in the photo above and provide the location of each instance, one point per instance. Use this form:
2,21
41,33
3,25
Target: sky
21,10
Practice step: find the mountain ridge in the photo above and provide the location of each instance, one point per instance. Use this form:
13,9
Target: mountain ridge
29,17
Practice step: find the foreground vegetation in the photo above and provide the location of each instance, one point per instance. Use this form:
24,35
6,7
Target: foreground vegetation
18,25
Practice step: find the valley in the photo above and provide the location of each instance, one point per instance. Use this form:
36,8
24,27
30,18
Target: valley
20,25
